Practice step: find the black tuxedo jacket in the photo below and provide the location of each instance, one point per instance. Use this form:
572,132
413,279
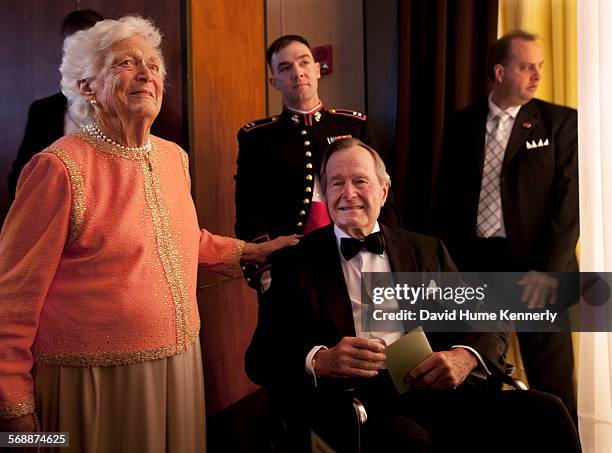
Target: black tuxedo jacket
310,306
539,186
45,125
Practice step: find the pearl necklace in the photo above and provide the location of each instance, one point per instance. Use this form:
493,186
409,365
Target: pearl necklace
93,130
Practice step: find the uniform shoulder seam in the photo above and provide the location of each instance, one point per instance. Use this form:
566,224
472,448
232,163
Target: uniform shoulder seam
255,124
347,112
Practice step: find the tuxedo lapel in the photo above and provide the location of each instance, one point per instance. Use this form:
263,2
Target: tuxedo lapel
524,124
400,253
392,247
329,273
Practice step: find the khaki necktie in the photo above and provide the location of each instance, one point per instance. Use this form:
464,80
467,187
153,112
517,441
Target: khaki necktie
489,205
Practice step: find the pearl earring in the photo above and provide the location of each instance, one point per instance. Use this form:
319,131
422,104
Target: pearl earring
93,101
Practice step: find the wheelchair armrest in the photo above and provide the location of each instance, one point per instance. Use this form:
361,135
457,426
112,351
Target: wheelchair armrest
338,420
360,412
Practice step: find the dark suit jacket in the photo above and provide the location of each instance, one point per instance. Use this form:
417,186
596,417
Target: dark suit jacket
277,160
539,186
45,125
310,305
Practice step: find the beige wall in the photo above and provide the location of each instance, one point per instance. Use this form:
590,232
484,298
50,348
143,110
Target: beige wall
322,22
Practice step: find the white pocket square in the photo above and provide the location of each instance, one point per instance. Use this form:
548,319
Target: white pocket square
533,144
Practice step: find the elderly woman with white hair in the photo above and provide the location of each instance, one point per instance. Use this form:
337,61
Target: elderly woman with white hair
98,260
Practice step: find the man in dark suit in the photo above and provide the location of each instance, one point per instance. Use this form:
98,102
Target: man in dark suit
310,344
277,181
508,196
48,119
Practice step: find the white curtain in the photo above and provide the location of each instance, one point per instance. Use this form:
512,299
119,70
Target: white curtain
595,163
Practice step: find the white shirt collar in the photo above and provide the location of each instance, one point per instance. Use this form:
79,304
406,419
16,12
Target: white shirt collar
305,112
494,110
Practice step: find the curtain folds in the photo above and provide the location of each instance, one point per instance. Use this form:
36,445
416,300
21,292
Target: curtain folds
442,67
595,165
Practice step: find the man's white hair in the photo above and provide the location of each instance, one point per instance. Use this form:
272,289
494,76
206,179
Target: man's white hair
85,55
345,143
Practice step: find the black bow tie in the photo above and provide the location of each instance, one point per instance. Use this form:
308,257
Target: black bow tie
374,243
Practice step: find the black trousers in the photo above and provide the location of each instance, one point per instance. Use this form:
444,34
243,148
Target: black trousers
547,356
471,418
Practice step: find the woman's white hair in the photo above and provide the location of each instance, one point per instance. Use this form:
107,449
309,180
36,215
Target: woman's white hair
85,55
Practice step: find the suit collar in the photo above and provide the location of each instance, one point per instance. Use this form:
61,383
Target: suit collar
330,274
392,242
341,234
494,110
399,250
524,124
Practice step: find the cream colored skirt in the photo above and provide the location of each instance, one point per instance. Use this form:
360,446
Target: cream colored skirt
150,407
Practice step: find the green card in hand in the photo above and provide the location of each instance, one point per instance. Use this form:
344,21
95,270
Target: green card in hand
404,354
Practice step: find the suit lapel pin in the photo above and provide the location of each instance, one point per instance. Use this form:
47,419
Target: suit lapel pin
527,125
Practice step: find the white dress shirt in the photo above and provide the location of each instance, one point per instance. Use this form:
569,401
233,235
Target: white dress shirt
366,261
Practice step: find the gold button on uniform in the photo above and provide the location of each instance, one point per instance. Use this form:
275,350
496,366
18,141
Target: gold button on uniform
299,224
302,212
307,143
308,165
306,201
303,132
308,154
308,189
309,177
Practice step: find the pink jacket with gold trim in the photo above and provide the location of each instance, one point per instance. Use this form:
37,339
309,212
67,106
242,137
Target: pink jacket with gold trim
98,262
